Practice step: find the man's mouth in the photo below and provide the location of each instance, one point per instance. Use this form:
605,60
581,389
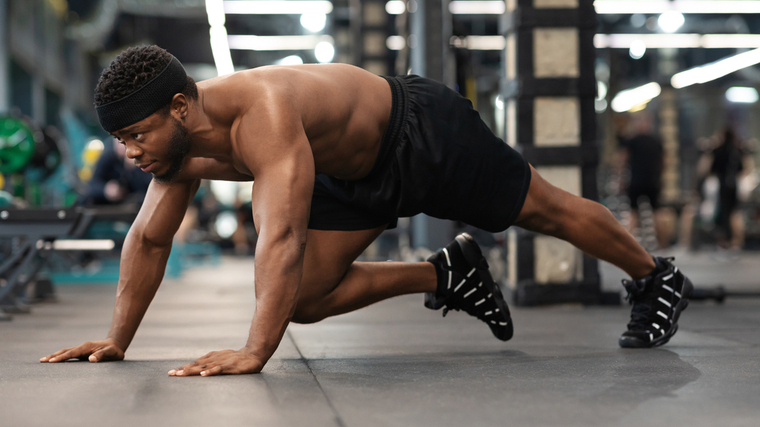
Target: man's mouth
147,168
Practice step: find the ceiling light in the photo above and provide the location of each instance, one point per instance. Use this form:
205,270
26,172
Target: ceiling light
276,42
395,42
744,95
633,98
653,7
395,7
277,7
715,70
479,42
324,52
670,21
679,41
477,7
220,49
637,49
314,21
290,60
601,90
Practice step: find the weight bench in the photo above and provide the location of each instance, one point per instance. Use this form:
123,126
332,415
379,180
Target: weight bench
30,235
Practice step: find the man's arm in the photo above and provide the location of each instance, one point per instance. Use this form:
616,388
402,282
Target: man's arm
143,261
282,162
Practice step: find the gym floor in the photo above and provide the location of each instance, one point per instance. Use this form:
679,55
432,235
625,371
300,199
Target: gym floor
392,364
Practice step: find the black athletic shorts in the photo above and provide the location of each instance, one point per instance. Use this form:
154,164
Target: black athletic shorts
652,193
437,157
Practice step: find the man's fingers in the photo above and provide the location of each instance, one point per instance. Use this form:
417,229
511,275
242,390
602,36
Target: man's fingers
191,370
64,355
102,354
216,370
57,353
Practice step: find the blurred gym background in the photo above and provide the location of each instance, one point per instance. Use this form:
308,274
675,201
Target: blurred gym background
647,106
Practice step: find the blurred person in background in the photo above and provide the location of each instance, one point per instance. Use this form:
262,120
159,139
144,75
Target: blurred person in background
727,164
642,154
116,179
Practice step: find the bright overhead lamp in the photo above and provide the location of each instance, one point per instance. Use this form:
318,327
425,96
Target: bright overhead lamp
277,42
631,99
679,41
314,22
670,21
656,7
742,95
220,50
732,41
637,49
324,52
479,42
277,7
83,245
395,42
395,7
289,60
477,7
715,70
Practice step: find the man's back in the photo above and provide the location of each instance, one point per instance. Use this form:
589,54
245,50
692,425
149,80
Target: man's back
343,109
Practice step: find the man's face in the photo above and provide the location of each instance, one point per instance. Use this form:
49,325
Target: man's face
179,148
157,144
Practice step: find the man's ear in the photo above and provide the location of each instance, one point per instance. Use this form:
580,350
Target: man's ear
179,106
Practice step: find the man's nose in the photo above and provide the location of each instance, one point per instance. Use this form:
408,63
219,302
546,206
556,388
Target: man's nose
133,151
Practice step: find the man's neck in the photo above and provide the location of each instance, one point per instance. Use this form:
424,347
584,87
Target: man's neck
210,138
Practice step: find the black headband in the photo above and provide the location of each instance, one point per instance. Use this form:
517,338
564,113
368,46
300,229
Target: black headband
144,101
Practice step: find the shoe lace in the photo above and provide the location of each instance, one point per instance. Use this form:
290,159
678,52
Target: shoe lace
450,305
642,305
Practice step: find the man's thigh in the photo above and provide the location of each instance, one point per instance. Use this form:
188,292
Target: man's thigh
327,257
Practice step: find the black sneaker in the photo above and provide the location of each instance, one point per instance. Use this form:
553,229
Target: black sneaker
464,283
658,299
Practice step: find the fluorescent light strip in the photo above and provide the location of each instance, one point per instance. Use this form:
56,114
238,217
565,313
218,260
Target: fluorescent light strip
629,99
715,70
277,42
621,7
84,245
469,42
479,42
397,7
218,38
742,95
277,7
681,41
477,7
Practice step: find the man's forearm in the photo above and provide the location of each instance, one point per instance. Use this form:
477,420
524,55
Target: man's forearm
279,269
140,274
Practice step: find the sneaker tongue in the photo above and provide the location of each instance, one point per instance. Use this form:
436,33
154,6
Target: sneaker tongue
637,288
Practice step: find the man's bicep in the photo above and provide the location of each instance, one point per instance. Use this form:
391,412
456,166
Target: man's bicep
281,195
163,210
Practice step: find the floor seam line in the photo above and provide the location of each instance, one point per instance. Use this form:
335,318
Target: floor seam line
338,418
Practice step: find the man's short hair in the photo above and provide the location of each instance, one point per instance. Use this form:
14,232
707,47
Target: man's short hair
131,70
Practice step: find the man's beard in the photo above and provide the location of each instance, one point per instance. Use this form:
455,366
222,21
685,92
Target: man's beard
179,147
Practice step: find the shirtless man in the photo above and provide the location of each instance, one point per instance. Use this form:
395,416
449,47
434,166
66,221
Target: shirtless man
338,154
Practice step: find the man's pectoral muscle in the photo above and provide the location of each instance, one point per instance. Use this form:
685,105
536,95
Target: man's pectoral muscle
143,261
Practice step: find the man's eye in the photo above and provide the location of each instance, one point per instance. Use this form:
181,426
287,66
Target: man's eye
137,136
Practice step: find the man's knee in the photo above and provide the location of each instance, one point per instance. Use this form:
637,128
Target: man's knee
315,297
307,313
311,310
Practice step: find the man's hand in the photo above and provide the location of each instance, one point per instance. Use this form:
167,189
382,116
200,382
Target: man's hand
221,362
94,351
